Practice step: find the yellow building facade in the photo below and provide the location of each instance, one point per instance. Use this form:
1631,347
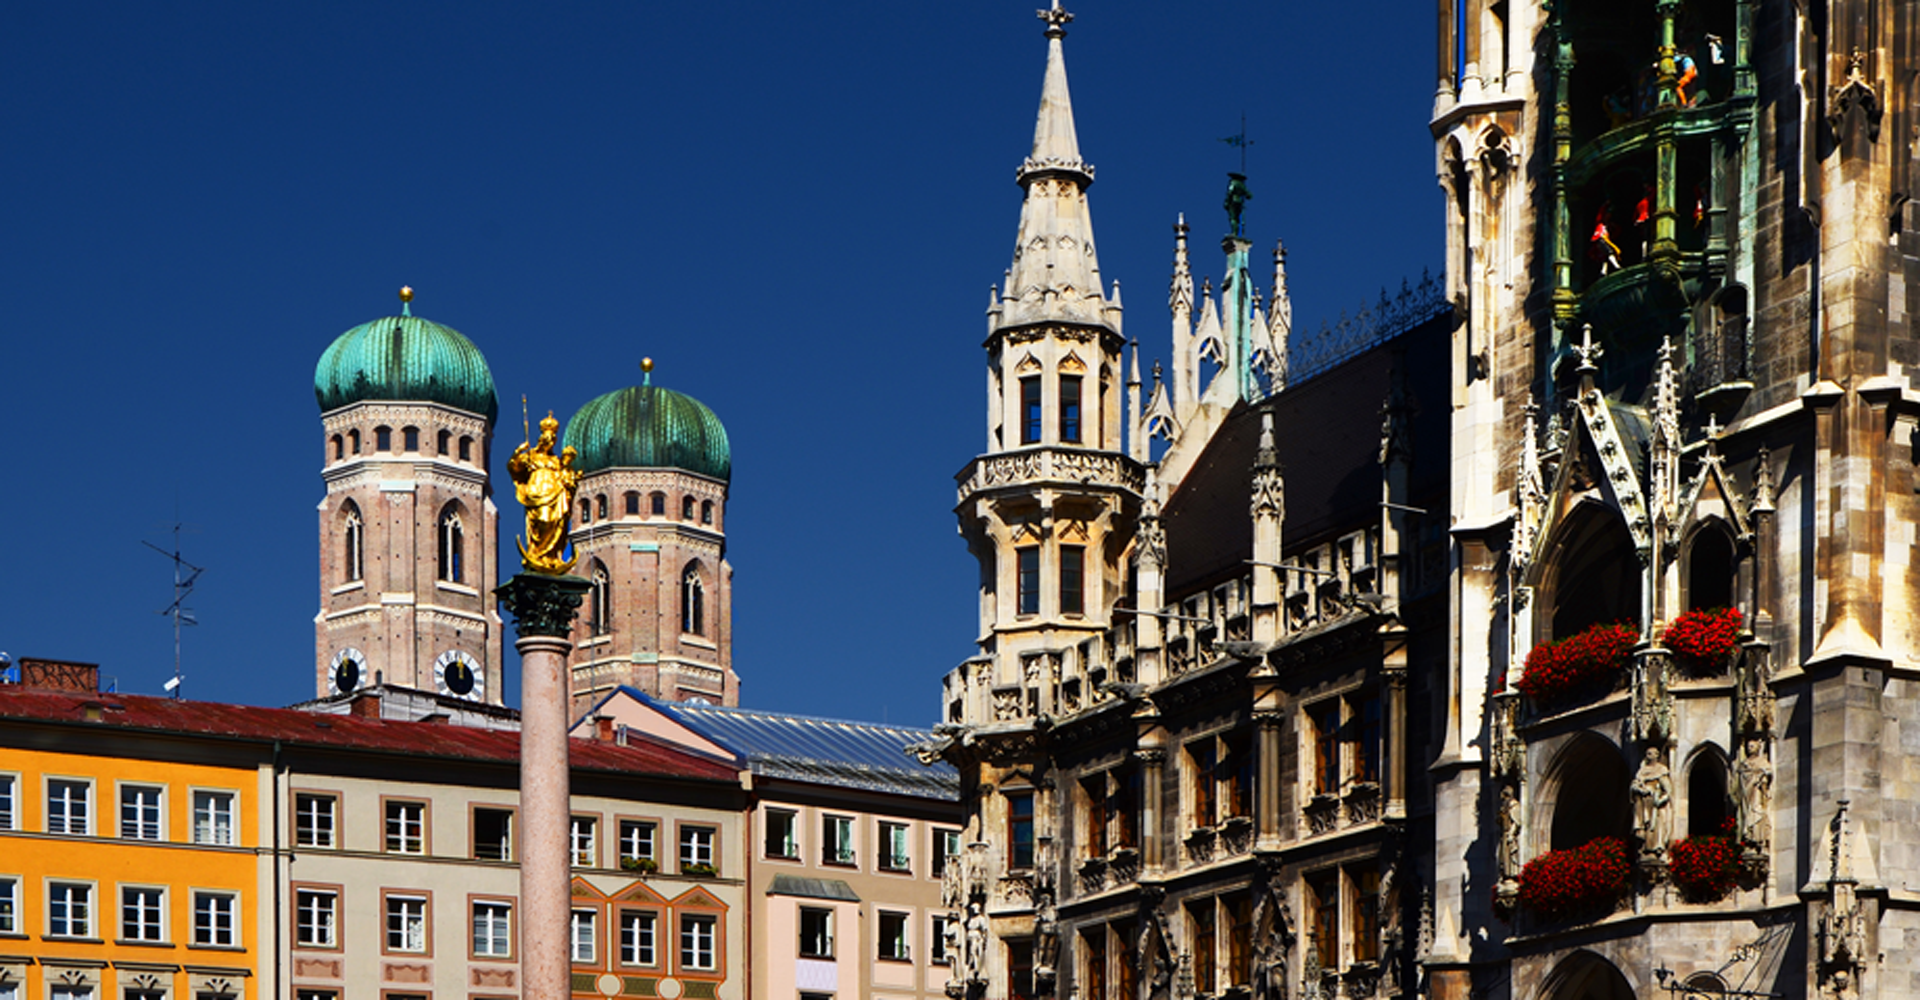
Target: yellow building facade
128,864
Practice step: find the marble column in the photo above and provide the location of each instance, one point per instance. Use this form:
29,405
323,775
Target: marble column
543,609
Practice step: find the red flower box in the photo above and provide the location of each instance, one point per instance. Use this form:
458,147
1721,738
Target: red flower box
1558,669
1705,868
1577,881
1705,639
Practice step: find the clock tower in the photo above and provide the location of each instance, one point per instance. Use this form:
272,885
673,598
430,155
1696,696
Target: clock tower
407,526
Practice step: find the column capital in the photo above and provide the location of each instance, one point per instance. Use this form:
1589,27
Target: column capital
542,606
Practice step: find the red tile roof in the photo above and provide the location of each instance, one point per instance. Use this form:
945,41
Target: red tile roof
345,732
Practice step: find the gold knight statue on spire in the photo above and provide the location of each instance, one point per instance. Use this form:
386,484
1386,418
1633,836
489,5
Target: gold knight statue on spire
545,485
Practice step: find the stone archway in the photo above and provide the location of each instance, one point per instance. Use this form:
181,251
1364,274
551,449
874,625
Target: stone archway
1586,976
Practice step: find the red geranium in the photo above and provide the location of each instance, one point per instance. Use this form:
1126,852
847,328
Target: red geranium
1707,638
1707,867
1557,669
1577,880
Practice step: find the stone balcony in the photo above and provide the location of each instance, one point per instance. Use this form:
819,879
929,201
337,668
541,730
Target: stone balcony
1050,466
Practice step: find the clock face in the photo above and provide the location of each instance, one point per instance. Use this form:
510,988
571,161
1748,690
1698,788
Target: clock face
459,674
347,672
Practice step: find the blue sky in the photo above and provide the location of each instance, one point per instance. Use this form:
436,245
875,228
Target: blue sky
796,209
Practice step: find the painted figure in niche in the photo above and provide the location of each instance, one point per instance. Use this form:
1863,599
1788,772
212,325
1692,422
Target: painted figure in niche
1509,832
1601,246
1652,792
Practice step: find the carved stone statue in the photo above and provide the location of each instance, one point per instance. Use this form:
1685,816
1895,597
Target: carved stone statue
1652,792
976,957
1273,939
1156,954
1753,790
544,483
1509,833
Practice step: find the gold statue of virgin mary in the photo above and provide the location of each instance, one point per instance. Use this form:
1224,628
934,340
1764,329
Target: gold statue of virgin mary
545,483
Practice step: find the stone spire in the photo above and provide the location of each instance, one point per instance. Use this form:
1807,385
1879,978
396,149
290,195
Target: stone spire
1055,276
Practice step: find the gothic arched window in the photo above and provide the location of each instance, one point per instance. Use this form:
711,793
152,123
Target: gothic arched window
1707,807
632,503
1710,570
353,439
445,439
601,502
352,538
600,616
383,439
466,449
686,508
706,512
339,448
659,505
693,602
452,545
410,438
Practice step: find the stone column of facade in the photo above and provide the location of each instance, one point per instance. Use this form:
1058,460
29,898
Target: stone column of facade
543,609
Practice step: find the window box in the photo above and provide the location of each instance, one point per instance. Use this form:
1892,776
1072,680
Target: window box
1579,667
645,866
1587,881
1705,641
700,869
1706,868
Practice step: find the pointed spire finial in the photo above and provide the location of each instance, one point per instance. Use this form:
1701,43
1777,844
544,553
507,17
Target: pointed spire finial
1057,19
646,371
1588,351
406,300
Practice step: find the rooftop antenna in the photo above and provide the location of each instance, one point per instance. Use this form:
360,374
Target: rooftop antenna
181,614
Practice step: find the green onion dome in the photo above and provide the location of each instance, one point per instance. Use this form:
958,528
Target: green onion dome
647,427
405,359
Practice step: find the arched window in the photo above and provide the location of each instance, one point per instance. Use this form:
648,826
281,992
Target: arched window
445,439
410,437
601,502
600,616
353,439
352,538
686,508
706,512
586,510
693,602
1707,807
633,503
452,545
339,448
1585,794
660,505
382,439
1710,570
1596,573
466,449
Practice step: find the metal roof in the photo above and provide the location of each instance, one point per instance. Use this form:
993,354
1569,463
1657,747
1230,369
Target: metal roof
862,755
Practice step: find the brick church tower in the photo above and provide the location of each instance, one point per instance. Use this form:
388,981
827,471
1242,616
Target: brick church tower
649,533
407,527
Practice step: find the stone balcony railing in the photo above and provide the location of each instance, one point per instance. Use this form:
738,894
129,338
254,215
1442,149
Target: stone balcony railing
1067,466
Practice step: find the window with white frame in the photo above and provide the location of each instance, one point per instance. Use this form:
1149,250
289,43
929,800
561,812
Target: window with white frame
213,817
140,812
316,995
638,931
836,840
69,806
406,827
816,932
143,913
9,904
584,935
697,941
69,909
894,853
585,841
782,841
314,818
893,937
937,952
638,842
315,915
492,929
216,919
7,821
946,847
696,849
492,834
65,992
406,923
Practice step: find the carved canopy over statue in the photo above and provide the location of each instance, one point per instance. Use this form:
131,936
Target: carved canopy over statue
545,483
